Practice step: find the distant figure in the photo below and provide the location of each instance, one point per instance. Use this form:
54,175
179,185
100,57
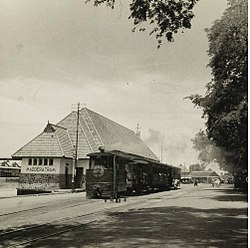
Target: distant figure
216,182
195,183
213,182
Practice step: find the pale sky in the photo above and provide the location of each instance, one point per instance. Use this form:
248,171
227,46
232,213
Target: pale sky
56,53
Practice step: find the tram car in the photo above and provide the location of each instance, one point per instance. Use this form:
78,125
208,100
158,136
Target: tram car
115,173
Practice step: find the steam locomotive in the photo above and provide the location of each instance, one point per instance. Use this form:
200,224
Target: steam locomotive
113,174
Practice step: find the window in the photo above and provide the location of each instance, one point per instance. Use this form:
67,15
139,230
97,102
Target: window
45,161
51,161
34,161
30,161
40,161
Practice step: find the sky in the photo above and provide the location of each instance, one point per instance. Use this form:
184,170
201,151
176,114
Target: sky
54,54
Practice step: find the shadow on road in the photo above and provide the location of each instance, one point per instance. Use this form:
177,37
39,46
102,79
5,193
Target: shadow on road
229,194
155,227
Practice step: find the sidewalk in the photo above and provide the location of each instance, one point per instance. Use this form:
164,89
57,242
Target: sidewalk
12,192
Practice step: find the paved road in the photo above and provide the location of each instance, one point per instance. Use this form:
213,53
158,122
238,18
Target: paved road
188,217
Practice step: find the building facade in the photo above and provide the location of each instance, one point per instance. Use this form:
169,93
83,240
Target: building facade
57,157
203,176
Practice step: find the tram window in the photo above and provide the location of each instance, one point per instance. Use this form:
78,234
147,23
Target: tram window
98,160
35,161
51,161
40,161
30,161
45,161
105,161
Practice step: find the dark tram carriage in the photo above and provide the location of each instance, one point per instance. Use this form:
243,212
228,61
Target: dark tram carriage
115,173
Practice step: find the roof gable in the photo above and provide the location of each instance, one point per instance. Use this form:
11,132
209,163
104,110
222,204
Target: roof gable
94,131
54,141
203,173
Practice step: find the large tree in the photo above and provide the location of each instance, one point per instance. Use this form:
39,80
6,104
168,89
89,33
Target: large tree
225,104
163,18
209,152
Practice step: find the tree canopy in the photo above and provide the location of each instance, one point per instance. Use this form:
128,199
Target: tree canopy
163,18
225,104
196,167
209,152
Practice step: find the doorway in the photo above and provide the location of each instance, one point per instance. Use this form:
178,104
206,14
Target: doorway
66,177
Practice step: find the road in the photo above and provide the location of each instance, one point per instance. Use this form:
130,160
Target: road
187,217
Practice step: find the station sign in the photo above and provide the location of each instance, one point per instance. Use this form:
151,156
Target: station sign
36,169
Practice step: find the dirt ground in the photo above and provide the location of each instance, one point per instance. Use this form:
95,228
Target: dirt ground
191,217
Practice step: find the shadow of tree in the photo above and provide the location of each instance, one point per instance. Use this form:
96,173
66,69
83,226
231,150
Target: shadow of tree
229,194
152,227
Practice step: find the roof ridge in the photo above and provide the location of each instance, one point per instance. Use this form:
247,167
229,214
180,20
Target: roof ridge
58,140
72,150
65,117
81,127
55,125
86,110
110,120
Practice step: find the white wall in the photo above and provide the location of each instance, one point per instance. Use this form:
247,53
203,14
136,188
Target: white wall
41,169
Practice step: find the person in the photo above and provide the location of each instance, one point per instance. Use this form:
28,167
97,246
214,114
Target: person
195,183
213,182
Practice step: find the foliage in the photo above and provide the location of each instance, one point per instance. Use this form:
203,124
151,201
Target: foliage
166,17
225,103
196,167
209,152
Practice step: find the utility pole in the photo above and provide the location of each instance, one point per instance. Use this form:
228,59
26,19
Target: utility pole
76,149
161,153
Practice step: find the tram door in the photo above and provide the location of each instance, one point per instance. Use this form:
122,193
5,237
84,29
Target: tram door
79,177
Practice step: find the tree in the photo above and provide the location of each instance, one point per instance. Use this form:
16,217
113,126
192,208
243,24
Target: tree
225,104
195,167
209,152
166,17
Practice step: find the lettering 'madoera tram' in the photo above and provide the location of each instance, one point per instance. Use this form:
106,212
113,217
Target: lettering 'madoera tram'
113,174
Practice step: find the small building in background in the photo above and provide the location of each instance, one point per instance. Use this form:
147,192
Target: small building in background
203,176
185,178
9,168
48,161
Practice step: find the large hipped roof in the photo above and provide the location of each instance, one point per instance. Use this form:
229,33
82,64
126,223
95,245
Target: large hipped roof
94,131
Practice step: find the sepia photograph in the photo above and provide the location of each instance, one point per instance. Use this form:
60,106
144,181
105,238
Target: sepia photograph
124,123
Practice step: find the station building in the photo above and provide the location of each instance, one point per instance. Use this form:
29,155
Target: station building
204,176
51,158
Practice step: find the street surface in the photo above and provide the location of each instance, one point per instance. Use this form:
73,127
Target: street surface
187,217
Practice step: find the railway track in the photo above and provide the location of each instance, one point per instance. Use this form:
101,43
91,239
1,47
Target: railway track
31,234
44,207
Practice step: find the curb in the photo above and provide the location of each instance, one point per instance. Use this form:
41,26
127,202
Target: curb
41,194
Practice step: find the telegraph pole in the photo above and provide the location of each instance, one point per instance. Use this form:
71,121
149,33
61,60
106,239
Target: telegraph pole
76,149
161,153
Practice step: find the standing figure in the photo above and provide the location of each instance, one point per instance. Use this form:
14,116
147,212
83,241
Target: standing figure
195,183
213,182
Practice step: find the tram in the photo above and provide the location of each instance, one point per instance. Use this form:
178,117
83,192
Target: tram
114,174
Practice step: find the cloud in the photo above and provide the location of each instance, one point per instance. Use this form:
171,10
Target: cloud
155,137
173,148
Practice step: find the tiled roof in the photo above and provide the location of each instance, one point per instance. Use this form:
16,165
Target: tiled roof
94,131
48,144
117,137
202,173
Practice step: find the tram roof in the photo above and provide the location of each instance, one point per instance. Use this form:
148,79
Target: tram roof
135,158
